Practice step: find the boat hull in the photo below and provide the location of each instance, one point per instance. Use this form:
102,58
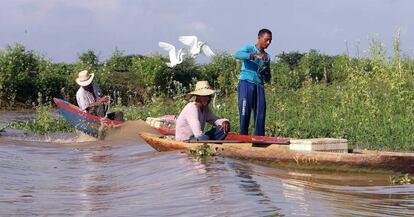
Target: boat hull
83,121
398,162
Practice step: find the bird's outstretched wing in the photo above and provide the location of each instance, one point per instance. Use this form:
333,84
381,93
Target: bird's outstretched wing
188,40
166,46
207,51
171,50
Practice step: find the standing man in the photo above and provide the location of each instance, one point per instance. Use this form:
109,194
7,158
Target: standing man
255,71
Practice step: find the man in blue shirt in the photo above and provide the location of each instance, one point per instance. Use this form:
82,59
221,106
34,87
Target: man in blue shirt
255,71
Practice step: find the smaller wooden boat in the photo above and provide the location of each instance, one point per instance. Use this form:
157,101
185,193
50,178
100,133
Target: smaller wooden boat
281,153
81,120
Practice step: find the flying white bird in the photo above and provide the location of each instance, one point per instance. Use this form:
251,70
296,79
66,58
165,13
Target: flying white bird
196,46
175,58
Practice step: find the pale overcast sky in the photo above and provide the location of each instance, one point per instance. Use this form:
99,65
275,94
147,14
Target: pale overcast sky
61,29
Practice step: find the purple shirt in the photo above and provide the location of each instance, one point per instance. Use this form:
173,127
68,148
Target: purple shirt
192,120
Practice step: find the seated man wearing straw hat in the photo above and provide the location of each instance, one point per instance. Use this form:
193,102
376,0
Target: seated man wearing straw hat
89,97
191,121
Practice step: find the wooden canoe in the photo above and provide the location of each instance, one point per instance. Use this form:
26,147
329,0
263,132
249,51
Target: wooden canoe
276,153
81,120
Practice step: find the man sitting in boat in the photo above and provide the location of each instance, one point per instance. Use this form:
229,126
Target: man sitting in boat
191,121
89,97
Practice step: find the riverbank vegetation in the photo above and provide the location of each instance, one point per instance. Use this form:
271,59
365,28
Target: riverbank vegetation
44,122
368,100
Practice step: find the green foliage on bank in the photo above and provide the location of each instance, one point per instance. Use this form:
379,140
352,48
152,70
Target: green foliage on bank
368,100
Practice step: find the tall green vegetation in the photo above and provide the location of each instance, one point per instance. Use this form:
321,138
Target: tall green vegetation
368,100
222,73
18,67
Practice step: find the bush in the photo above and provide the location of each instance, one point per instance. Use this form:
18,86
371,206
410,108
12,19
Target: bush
285,77
18,69
52,81
222,73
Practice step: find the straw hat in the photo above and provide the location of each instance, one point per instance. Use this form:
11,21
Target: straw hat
202,88
84,78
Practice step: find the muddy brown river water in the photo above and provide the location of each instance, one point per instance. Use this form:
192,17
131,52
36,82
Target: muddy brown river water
67,174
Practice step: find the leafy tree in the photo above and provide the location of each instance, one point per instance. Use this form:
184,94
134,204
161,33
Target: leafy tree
290,58
316,66
89,58
119,62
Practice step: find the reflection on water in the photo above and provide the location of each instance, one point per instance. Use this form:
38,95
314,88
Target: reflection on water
252,188
295,193
122,176
94,185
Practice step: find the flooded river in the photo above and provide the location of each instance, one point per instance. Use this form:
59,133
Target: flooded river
72,175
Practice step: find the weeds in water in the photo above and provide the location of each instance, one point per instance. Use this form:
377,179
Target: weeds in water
44,122
203,151
405,179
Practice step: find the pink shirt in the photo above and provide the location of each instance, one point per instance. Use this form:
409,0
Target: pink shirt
192,120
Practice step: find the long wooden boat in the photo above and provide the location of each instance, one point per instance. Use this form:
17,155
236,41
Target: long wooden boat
277,153
90,124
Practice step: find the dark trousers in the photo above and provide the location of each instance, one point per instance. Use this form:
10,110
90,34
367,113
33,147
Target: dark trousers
251,97
216,134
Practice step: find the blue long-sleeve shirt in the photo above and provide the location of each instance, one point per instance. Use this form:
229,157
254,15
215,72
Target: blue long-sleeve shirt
250,67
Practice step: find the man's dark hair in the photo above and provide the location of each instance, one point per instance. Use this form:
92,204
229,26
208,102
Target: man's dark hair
263,31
